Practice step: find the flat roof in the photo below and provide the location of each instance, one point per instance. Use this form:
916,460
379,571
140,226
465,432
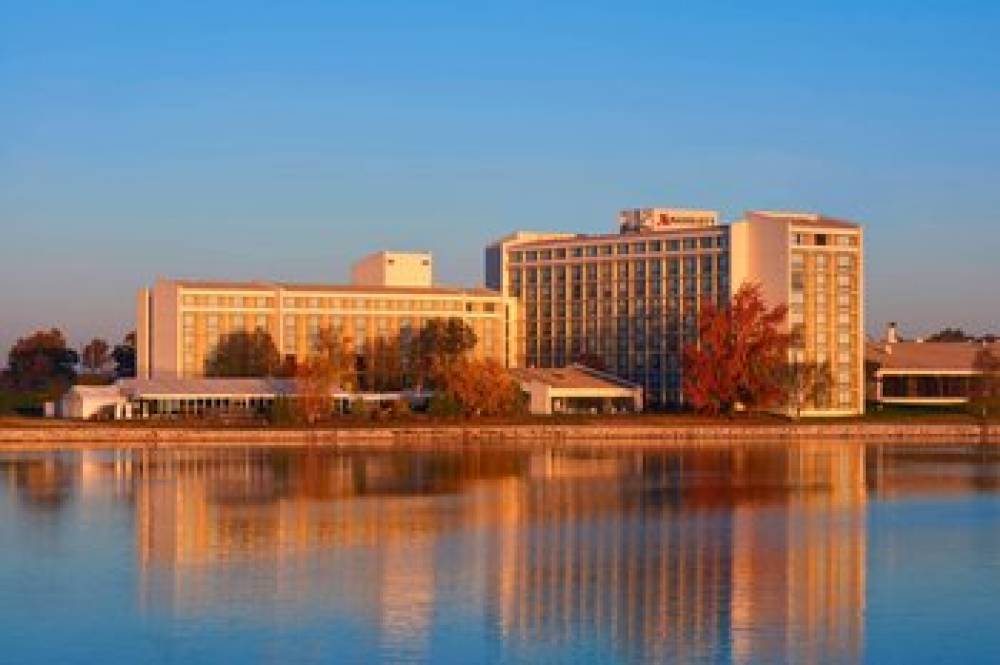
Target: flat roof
338,288
637,236
808,219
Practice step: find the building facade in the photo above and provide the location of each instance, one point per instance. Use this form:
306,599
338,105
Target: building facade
180,322
814,265
627,302
630,301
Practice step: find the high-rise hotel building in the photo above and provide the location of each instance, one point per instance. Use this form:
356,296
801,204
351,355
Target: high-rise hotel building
814,265
180,322
630,301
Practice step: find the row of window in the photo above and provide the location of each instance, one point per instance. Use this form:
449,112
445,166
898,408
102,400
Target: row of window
317,302
823,239
620,248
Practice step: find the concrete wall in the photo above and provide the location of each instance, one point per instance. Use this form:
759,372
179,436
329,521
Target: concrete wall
143,339
394,269
84,435
163,329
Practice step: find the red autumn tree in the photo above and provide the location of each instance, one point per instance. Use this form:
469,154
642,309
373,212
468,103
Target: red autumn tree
739,357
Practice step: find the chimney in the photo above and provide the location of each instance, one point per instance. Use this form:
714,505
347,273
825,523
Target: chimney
890,333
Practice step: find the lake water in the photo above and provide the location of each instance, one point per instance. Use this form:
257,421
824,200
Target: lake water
825,553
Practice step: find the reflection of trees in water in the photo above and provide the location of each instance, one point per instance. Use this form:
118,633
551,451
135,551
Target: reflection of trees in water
755,551
43,483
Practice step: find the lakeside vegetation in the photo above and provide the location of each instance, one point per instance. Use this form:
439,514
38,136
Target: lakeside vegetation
736,372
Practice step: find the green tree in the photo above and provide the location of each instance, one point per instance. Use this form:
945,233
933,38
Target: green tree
244,354
95,354
807,385
124,356
438,346
985,396
950,335
41,361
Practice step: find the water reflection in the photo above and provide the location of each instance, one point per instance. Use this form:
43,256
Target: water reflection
740,554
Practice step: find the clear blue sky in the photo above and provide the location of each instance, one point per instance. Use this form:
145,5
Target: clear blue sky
277,140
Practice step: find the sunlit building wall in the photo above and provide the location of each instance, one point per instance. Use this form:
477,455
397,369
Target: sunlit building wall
181,322
631,301
627,301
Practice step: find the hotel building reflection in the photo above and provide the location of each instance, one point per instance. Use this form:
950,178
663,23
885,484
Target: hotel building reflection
741,554
762,556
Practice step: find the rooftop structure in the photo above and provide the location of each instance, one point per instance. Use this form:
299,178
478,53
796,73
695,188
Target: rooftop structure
394,269
180,322
644,220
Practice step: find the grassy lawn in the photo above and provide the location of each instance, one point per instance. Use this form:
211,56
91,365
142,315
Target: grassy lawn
887,415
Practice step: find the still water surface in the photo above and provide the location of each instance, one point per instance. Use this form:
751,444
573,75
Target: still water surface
825,553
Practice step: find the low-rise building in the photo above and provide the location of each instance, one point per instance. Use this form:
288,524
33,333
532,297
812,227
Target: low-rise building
927,373
577,389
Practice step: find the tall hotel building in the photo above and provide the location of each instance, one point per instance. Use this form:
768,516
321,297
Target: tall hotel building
180,322
631,300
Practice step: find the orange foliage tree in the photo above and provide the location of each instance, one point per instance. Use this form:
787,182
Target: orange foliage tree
331,366
740,355
482,387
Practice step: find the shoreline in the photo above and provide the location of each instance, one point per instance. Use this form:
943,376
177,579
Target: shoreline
89,436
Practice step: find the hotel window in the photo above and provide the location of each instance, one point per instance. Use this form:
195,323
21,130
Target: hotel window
289,302
189,300
845,261
844,281
639,247
592,250
690,243
262,321
531,256
561,253
607,250
546,255
706,242
845,241
515,257
577,252
820,239
798,260
674,245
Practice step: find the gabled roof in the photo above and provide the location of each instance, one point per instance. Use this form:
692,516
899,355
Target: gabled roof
941,356
574,376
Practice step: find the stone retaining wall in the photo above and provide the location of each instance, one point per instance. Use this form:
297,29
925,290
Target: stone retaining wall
74,436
